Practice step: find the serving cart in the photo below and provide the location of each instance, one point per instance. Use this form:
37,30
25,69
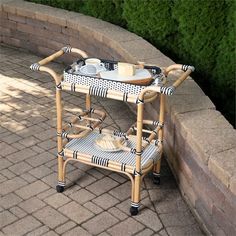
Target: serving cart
139,148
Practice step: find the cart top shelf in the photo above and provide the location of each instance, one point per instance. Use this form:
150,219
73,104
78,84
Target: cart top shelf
105,87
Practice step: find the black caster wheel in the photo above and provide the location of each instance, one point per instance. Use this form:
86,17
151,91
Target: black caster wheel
133,211
156,179
60,189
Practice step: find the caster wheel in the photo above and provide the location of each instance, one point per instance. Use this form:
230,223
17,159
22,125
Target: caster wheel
60,189
156,179
133,211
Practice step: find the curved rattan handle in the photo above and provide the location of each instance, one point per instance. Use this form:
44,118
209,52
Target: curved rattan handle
169,90
178,67
39,66
67,49
187,71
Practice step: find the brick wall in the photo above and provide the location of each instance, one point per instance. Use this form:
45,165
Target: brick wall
200,144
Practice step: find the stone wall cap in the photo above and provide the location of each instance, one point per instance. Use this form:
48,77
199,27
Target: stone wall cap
78,20
140,49
207,131
187,103
160,59
6,1
223,165
232,184
205,119
213,141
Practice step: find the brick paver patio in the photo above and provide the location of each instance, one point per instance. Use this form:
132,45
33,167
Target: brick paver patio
96,201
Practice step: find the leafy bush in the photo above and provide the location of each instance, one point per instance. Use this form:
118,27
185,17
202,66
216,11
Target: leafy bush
108,10
152,20
68,4
206,39
200,32
224,70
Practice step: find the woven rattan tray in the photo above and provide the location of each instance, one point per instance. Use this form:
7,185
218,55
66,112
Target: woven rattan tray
72,77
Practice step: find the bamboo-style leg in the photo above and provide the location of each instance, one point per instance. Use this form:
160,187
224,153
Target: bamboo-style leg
40,66
157,172
61,176
88,106
132,189
138,169
157,166
135,199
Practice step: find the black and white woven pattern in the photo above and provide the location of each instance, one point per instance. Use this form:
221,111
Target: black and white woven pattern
158,78
67,49
61,153
58,86
87,145
119,134
60,183
35,66
91,127
167,90
156,174
137,173
146,140
75,154
102,83
133,204
100,161
155,122
64,135
138,101
125,97
186,67
98,91
122,167
158,141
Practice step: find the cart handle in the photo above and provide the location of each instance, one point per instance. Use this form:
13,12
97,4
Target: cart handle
169,90
40,65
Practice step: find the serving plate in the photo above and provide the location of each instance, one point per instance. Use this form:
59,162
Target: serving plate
141,77
116,148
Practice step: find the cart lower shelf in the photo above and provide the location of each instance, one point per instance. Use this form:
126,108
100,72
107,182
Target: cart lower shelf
86,150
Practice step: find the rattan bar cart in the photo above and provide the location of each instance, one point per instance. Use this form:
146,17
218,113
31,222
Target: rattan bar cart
76,140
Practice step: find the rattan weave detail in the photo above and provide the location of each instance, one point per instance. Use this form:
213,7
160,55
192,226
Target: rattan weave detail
87,145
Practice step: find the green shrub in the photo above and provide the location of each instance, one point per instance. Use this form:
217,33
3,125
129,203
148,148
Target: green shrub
152,20
108,10
225,55
200,31
206,39
71,5
224,70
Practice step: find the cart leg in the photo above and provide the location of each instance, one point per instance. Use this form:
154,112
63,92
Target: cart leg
156,173
61,175
157,166
135,198
88,106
